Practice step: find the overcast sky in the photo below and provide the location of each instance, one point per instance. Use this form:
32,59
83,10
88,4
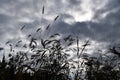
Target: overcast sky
97,20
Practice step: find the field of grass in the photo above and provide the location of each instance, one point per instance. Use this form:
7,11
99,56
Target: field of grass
47,58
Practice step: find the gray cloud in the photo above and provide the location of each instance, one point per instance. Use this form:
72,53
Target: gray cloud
98,20
4,19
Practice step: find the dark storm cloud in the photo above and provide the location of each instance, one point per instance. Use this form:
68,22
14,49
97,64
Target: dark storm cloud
74,1
111,28
114,4
95,31
16,13
111,8
113,18
3,19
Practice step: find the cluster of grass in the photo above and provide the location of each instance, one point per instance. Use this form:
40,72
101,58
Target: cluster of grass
50,60
47,63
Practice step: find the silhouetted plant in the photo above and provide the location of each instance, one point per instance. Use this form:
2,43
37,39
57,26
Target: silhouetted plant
47,58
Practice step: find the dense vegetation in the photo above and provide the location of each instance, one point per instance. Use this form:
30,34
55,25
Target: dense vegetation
50,61
49,58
